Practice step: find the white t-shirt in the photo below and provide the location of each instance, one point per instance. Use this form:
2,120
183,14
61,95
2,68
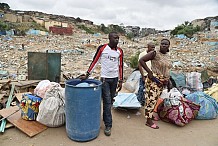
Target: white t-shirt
111,62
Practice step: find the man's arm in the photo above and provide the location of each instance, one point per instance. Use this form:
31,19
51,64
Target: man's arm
120,82
120,65
94,61
96,58
140,67
141,71
145,58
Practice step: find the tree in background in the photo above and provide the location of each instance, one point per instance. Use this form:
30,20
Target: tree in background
88,30
134,61
3,26
4,6
187,29
102,27
78,20
130,35
111,28
116,28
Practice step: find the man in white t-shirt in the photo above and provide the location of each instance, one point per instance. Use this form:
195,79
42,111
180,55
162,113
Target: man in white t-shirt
141,91
110,56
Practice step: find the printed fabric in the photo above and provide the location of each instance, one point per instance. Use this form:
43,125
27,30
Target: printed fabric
180,114
209,106
30,106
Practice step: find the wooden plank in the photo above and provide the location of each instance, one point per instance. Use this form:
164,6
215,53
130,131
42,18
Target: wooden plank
9,125
10,98
22,84
19,95
27,83
6,112
31,128
5,81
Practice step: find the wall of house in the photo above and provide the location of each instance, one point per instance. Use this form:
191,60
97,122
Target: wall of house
10,17
64,24
19,19
61,30
26,18
50,23
39,21
36,32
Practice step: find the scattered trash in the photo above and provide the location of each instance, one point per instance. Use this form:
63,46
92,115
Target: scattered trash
138,113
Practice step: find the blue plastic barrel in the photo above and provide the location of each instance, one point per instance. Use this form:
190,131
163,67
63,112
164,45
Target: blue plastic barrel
83,109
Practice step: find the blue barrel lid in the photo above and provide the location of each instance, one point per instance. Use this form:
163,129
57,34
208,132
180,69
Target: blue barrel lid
74,82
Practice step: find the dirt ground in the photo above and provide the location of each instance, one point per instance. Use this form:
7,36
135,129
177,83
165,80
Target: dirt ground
128,130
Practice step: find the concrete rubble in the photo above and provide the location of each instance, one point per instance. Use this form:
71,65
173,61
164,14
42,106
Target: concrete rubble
78,50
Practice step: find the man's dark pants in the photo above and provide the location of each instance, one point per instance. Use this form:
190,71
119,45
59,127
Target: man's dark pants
141,92
109,86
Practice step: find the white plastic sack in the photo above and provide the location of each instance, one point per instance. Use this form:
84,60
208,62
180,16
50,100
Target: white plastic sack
174,99
42,87
175,96
193,80
132,83
165,94
52,108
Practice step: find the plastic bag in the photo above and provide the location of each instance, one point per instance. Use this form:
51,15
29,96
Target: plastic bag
209,106
132,83
52,107
193,81
42,87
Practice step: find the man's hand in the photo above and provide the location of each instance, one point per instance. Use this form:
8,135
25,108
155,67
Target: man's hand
143,78
83,76
119,86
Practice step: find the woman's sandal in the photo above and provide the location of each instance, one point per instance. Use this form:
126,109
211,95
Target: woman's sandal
154,126
155,119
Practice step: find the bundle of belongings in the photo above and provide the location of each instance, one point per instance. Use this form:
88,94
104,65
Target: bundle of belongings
46,105
209,106
52,107
176,109
30,106
213,91
194,96
188,100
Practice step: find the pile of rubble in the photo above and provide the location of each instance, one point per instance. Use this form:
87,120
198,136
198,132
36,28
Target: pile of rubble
78,50
195,54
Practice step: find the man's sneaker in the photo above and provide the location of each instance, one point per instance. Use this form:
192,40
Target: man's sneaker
107,131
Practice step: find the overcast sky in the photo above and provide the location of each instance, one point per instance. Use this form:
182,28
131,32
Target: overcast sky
158,14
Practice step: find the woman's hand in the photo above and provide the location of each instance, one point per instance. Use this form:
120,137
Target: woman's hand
150,75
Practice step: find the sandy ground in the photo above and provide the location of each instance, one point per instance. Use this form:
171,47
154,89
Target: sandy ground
129,129
125,132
